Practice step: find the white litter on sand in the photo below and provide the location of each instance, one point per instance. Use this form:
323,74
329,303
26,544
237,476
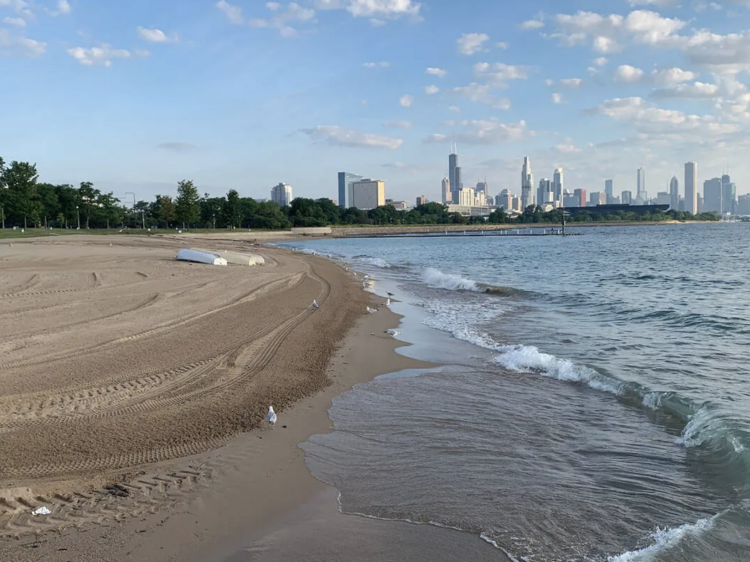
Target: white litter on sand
41,511
271,416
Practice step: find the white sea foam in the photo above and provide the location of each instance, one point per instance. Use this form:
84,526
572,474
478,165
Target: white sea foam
375,262
309,251
696,429
663,539
439,280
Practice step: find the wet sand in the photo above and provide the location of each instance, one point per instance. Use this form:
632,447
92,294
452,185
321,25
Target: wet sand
132,390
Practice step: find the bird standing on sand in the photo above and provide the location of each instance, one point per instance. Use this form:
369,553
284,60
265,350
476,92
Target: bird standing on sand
393,333
388,302
371,310
315,304
391,295
271,416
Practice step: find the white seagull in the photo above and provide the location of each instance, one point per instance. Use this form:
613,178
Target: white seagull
315,304
388,302
371,310
271,416
393,333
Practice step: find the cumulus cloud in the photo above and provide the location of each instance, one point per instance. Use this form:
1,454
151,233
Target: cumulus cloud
470,43
482,93
601,61
697,90
485,131
155,35
101,55
557,99
63,7
15,45
374,9
20,7
499,74
628,74
439,72
454,108
406,100
381,64
657,3
397,125
282,18
431,90
233,13
18,22
531,24
340,136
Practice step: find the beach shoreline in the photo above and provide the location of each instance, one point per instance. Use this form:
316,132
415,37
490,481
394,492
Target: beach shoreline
232,488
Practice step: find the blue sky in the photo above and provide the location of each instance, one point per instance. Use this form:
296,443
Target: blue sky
242,94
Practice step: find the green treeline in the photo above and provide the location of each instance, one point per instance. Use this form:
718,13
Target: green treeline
25,202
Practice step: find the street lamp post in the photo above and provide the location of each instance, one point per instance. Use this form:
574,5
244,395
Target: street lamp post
133,194
78,214
214,216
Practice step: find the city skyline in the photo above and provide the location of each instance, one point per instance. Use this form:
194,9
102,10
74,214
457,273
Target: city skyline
177,90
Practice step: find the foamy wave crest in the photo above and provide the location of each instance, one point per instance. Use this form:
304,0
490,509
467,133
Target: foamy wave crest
375,262
439,280
529,359
664,539
308,251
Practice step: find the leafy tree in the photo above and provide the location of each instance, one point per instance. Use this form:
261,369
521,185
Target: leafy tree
187,204
23,198
306,213
164,210
331,211
107,204
48,199
212,211
87,198
233,209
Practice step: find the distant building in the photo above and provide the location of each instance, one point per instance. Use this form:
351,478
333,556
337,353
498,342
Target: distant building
446,191
674,193
421,200
712,195
570,200
454,173
609,191
699,203
728,196
470,211
368,194
627,198
483,187
282,194
691,187
345,188
641,195
527,184
480,199
597,198
743,205
580,194
664,198
505,200
466,197
557,186
398,205
544,193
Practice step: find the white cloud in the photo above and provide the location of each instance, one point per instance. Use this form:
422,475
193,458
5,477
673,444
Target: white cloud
280,18
628,74
22,46
381,64
156,36
573,83
657,3
499,73
20,7
18,22
697,90
567,147
482,93
531,24
470,43
383,8
439,72
340,136
431,90
701,6
398,125
502,45
672,75
233,13
557,99
487,131
601,61
63,7
101,55
455,109
406,100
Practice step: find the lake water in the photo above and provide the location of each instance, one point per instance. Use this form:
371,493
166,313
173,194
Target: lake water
594,403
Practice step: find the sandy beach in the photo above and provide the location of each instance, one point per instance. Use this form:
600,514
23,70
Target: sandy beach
133,387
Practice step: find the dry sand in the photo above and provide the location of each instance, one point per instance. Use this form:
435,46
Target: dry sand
123,367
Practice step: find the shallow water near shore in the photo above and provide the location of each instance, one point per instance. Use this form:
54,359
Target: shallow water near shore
595,399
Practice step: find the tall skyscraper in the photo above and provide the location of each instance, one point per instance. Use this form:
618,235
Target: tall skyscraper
505,200
446,191
282,194
641,195
454,174
627,198
609,191
527,183
674,194
580,194
712,195
691,187
728,195
557,186
345,188
545,194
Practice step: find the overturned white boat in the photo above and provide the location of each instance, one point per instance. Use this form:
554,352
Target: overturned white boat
198,256
235,257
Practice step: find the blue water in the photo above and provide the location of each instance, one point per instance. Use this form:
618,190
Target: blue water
595,399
